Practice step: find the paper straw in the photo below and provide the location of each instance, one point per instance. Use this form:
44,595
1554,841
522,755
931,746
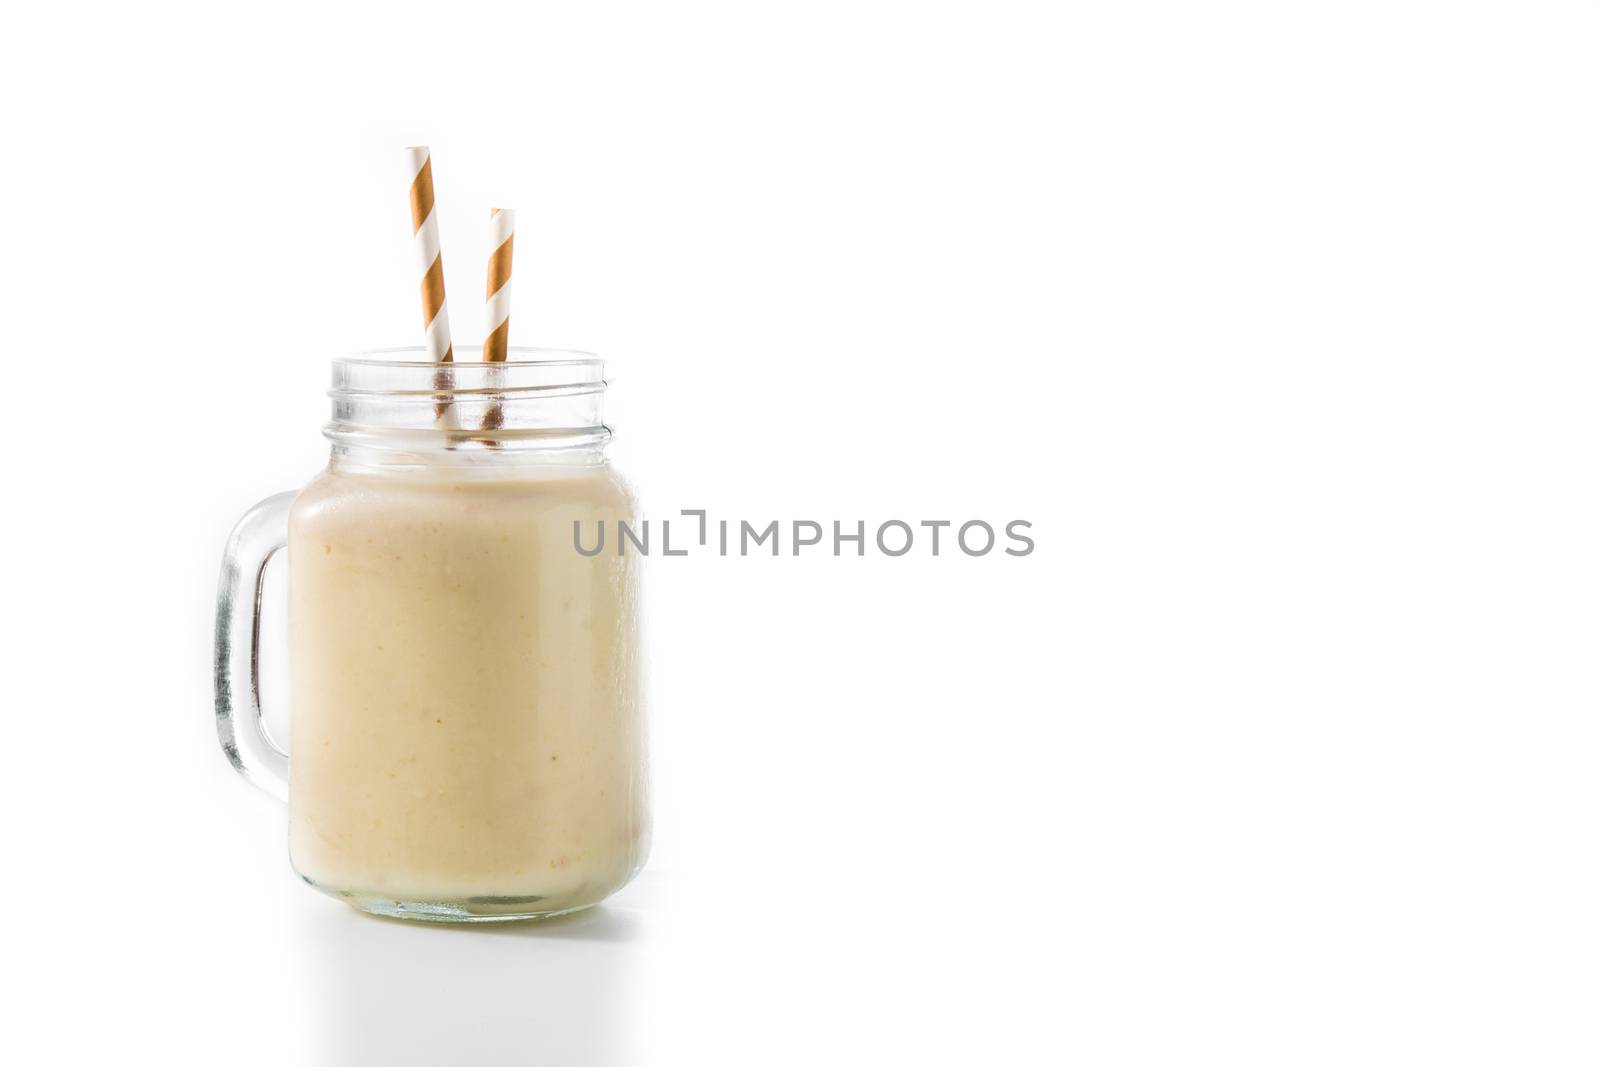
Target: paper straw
497,304
497,309
425,231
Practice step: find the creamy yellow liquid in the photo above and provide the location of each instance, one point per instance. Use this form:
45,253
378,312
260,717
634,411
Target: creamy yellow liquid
465,720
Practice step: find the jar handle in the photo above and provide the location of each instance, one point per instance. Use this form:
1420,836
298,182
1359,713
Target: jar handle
261,533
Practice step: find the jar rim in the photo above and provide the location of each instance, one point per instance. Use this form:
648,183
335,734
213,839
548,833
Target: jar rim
538,400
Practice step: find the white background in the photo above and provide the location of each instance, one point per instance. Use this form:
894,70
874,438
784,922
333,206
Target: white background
1278,321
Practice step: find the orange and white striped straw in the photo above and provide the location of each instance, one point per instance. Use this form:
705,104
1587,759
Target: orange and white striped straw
497,304
497,307
425,231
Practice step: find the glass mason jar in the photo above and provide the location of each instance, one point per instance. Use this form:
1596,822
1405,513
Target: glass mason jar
465,732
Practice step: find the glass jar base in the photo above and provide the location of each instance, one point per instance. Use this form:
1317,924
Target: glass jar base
467,910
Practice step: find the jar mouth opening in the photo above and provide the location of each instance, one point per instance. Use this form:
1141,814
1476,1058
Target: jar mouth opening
400,373
516,356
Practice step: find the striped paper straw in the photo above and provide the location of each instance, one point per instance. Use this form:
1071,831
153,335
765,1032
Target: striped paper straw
497,305
503,227
425,230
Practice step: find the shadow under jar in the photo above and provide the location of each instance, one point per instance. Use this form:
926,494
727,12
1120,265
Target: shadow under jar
465,738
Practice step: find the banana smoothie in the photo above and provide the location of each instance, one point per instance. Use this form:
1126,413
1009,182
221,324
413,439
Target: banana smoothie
464,714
